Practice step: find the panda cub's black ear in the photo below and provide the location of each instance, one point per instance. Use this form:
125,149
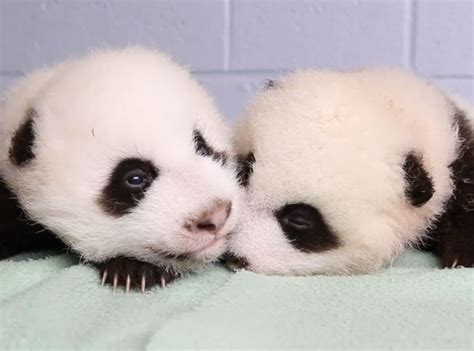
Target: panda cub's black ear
21,149
270,84
245,168
418,184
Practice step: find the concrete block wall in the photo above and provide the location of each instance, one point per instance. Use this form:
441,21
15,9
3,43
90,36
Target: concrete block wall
234,45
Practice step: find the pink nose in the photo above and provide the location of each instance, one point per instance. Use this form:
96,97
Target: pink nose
212,220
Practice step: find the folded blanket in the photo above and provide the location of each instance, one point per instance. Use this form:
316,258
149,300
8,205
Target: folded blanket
54,302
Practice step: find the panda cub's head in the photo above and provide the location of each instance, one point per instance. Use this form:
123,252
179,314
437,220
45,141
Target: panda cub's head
342,171
122,154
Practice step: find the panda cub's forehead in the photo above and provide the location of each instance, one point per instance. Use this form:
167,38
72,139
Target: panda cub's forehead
124,104
331,129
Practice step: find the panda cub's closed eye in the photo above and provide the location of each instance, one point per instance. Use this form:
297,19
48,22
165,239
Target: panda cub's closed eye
202,148
306,228
127,185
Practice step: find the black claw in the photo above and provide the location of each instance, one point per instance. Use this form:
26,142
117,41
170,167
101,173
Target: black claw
135,269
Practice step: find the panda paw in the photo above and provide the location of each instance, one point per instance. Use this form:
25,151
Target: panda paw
459,252
130,273
233,262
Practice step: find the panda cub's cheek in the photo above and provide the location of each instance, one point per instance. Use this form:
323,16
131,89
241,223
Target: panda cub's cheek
127,185
305,228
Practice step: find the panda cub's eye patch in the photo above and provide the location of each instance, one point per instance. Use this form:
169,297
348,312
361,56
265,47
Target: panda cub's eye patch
306,228
202,148
127,185
419,187
21,150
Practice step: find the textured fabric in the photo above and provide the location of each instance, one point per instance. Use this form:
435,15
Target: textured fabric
53,302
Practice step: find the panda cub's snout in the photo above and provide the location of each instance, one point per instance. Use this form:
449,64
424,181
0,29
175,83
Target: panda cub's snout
210,221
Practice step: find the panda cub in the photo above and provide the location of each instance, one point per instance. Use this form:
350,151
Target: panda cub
344,170
122,157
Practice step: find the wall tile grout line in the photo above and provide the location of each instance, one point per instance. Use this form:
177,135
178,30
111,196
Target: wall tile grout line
451,76
413,32
10,73
241,71
227,32
408,36
237,73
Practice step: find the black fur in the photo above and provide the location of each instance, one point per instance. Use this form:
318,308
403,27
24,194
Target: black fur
305,227
234,262
117,198
204,149
21,149
419,186
177,257
124,266
453,233
17,232
270,84
245,168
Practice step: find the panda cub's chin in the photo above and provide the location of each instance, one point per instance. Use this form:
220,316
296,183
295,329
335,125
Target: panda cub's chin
125,158
344,170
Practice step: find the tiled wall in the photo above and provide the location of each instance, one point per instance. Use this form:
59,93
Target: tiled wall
233,45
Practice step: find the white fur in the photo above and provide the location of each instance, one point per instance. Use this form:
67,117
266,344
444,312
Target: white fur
337,140
92,113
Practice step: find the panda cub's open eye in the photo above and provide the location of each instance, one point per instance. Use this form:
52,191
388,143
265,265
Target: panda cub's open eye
127,185
137,179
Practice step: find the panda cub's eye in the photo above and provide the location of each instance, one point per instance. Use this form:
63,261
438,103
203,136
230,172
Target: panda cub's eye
306,228
200,144
137,179
297,222
202,148
127,185
298,217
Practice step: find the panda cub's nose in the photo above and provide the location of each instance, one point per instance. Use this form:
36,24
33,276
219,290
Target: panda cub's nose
212,220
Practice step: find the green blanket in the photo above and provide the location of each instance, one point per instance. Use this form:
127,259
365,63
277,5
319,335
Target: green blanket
54,302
